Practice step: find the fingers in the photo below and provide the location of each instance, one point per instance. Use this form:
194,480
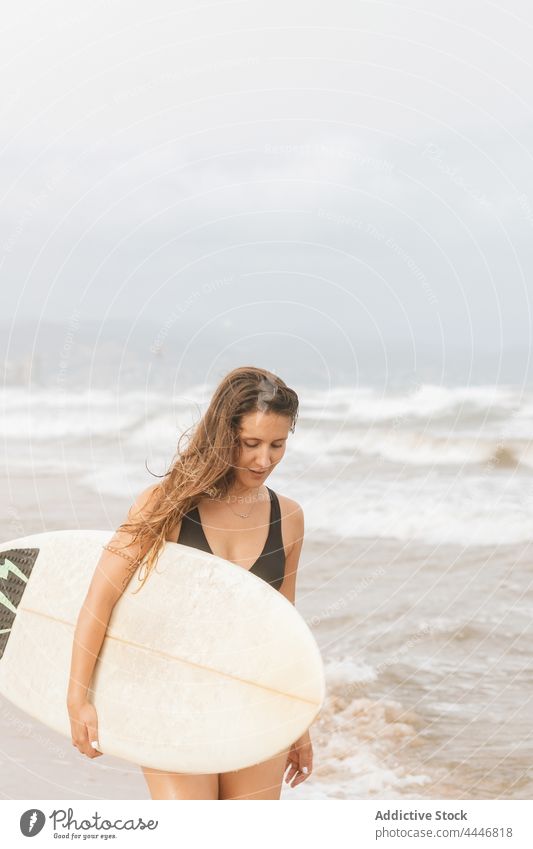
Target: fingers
87,745
300,777
299,773
94,746
84,730
291,773
90,746
95,752
86,748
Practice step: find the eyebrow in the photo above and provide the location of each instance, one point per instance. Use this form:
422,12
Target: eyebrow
276,439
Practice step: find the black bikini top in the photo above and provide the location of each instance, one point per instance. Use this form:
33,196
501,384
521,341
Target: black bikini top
270,565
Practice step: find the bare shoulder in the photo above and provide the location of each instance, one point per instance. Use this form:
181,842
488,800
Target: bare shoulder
292,517
289,506
145,499
120,556
140,509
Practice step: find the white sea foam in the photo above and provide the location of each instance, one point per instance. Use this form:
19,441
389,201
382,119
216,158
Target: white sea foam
357,741
453,466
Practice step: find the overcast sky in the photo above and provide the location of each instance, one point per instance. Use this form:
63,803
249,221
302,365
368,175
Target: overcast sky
344,170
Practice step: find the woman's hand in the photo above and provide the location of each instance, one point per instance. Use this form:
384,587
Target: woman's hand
300,760
84,727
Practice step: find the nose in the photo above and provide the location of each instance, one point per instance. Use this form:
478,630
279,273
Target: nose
263,460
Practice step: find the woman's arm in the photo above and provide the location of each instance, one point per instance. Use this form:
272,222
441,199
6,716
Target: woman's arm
296,525
300,756
111,577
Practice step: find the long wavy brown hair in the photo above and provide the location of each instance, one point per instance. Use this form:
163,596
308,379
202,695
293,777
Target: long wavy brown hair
205,465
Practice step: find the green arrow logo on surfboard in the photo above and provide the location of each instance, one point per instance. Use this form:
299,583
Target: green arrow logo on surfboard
5,568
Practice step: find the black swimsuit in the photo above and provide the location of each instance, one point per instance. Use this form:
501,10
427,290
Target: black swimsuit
270,565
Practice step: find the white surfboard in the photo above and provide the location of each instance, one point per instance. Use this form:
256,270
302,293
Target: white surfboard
206,669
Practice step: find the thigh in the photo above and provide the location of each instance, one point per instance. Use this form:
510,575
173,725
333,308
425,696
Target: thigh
261,781
180,785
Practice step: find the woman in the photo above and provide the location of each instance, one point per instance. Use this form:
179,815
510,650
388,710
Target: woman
213,497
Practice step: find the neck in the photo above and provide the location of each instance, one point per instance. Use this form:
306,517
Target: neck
237,490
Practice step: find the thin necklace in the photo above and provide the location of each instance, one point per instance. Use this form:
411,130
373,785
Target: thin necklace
243,515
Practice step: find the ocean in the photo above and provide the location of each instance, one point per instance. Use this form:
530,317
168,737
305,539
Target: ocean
415,575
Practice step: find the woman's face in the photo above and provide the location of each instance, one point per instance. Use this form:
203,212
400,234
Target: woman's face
262,443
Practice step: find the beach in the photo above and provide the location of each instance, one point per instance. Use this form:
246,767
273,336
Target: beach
414,578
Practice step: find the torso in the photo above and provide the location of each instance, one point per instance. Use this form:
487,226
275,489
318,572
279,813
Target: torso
241,541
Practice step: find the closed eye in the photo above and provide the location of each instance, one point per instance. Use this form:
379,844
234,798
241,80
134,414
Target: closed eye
256,444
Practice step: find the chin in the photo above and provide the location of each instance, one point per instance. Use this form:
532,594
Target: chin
247,478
